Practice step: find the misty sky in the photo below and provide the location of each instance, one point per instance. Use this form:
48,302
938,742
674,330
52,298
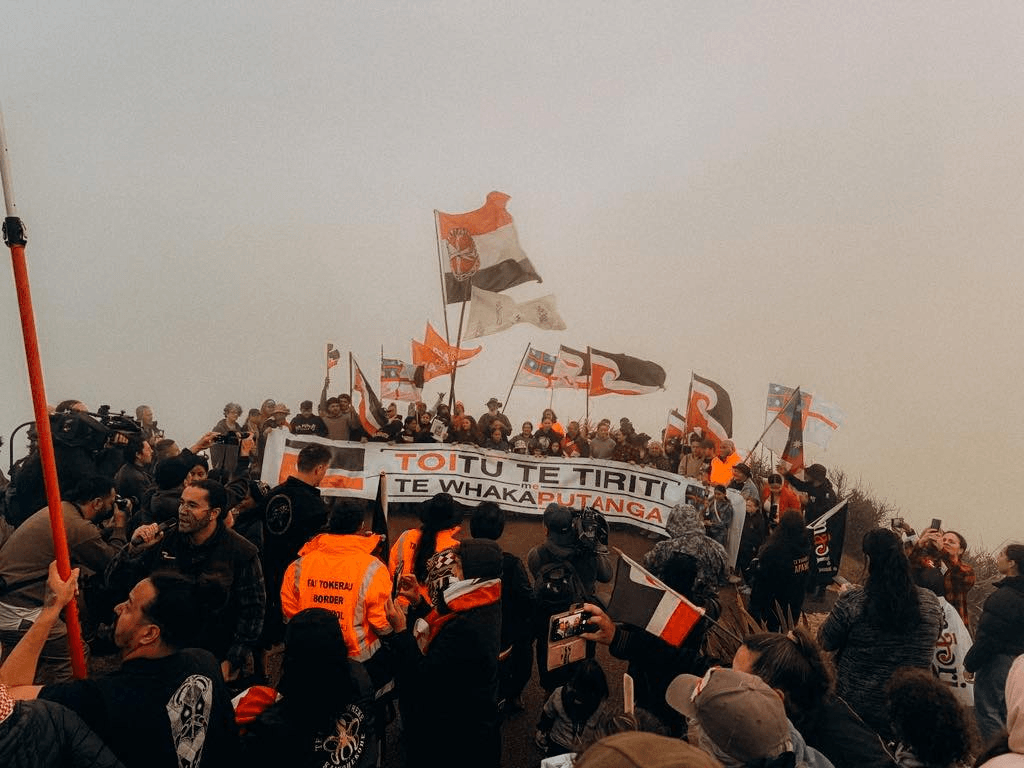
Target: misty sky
819,194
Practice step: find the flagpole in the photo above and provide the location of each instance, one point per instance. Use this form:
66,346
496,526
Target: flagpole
516,375
784,407
327,360
440,270
590,374
458,341
686,421
350,376
16,239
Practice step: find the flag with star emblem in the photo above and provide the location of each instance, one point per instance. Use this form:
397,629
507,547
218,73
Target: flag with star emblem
537,370
785,437
821,418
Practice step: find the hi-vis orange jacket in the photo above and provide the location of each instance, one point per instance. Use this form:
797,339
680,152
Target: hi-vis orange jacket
337,572
403,553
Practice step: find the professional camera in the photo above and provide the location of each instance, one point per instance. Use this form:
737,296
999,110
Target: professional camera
231,438
117,422
591,530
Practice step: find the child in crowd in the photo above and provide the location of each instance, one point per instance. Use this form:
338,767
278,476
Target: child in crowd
575,715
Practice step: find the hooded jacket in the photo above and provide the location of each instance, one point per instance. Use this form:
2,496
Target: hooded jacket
688,538
339,572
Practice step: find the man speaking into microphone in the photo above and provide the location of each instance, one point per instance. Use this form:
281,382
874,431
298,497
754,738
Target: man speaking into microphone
203,548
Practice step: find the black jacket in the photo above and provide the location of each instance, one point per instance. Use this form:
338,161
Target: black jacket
1000,626
449,695
39,734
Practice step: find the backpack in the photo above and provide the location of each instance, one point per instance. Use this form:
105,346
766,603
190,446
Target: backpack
557,586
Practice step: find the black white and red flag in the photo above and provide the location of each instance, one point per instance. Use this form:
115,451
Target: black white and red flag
364,400
618,374
572,368
710,409
640,599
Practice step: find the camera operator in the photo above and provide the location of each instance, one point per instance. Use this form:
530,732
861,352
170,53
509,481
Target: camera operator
134,480
565,571
84,444
25,561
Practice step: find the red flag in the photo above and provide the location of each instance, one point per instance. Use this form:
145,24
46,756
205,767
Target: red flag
437,357
643,601
710,409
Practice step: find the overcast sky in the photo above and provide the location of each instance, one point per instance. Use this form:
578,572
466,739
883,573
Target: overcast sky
818,194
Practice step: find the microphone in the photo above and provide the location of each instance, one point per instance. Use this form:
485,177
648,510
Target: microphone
164,527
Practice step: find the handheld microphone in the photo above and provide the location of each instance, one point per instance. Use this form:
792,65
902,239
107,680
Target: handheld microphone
164,527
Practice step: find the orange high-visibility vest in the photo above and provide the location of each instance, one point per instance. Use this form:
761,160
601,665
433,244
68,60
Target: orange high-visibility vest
337,572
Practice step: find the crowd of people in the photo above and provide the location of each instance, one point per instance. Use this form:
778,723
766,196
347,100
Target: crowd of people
201,578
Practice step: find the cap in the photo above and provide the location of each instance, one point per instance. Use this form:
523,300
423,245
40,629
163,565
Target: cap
306,405
816,472
742,468
494,401
640,749
557,518
738,712
282,409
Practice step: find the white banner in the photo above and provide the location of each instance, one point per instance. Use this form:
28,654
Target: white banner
950,649
624,493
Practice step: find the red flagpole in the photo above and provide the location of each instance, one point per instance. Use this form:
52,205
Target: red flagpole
15,239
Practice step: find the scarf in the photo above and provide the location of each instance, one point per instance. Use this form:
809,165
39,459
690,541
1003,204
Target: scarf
459,597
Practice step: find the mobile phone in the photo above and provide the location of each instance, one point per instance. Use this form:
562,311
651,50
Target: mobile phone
936,524
897,523
570,624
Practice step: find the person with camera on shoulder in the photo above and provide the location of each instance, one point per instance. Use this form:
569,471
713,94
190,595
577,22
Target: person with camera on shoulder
566,569
25,562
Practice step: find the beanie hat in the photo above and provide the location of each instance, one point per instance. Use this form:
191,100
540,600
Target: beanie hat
481,559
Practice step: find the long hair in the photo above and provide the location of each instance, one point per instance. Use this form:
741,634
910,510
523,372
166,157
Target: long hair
438,514
795,664
316,680
892,600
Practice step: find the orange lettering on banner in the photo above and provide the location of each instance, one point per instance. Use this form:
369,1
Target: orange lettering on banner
431,462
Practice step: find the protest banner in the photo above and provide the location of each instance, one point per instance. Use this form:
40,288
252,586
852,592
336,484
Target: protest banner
623,493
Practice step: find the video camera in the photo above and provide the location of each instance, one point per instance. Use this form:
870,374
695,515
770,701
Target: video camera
231,438
591,530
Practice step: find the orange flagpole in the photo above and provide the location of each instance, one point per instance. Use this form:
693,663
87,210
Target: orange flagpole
15,239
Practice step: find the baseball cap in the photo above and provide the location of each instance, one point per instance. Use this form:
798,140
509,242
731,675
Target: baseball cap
738,712
640,749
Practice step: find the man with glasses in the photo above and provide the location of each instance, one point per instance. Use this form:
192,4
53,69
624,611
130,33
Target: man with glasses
204,549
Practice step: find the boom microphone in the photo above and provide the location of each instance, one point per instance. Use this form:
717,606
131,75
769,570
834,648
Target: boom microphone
164,527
